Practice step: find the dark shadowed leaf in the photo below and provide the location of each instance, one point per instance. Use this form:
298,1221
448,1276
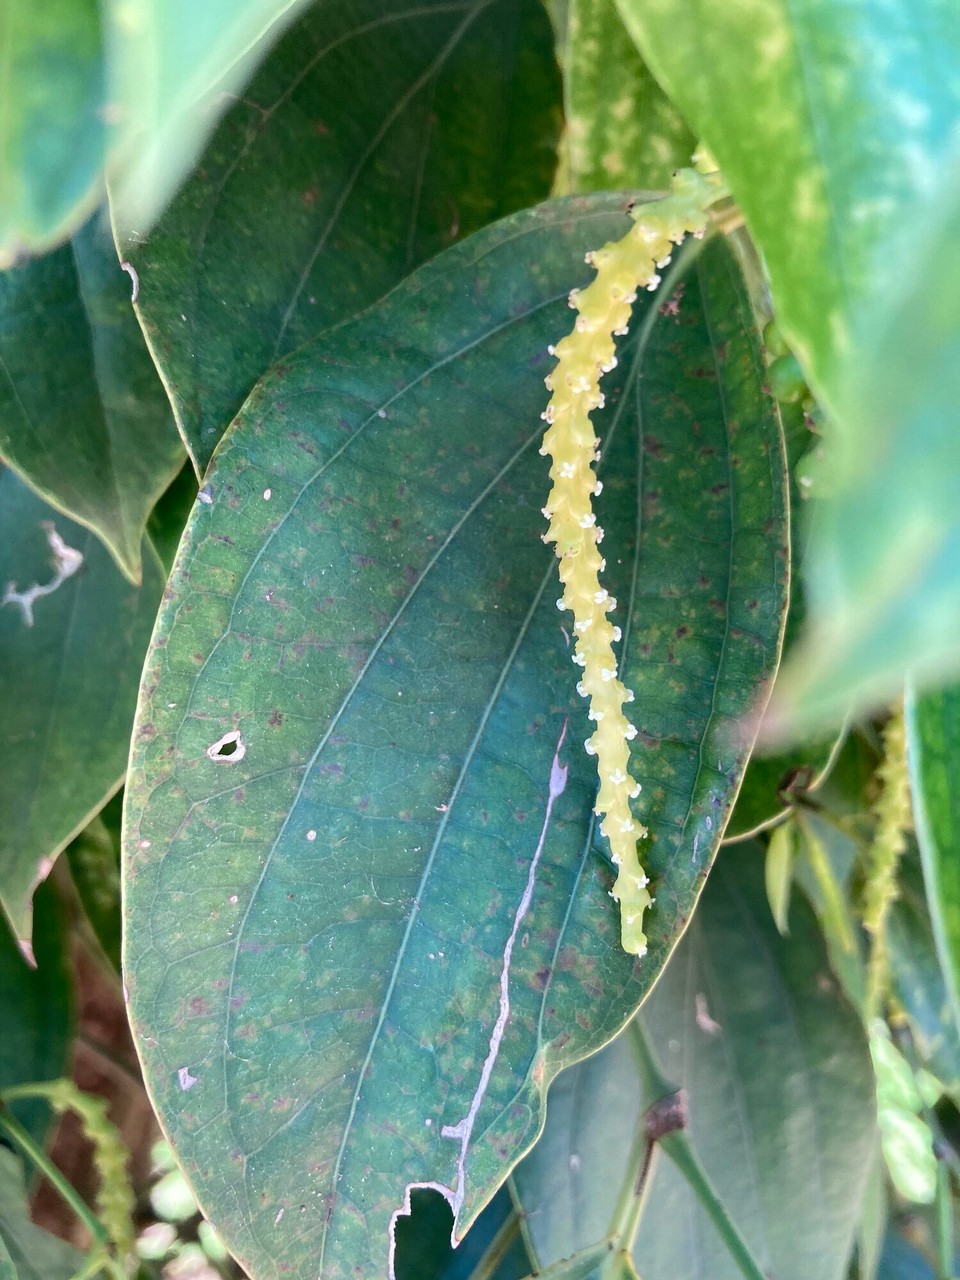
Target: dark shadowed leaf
372,137
918,980
83,416
94,861
68,686
169,517
51,126
357,687
36,1010
779,1083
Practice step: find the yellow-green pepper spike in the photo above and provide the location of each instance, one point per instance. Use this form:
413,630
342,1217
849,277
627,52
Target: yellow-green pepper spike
583,356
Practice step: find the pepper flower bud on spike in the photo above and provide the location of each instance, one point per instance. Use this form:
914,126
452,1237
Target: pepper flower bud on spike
603,310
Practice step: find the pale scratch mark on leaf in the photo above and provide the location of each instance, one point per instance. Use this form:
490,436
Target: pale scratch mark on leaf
187,1081
65,560
463,1131
131,271
704,1021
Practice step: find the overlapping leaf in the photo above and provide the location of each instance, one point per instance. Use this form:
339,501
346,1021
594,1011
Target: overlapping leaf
933,735
343,754
621,128
835,125
831,123
779,1082
174,67
884,556
83,415
68,687
374,135
51,127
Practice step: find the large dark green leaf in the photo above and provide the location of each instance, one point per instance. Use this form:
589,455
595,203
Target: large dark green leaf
374,135
621,128
933,737
36,1010
83,415
51,124
67,687
343,767
33,1254
779,1082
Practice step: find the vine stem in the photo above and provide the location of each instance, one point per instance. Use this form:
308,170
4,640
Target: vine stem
22,1139
676,1144
944,1223
498,1248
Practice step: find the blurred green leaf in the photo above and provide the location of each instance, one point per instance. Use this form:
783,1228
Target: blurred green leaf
67,687
374,135
933,746
622,130
34,1253
83,416
883,567
51,126
874,1222
906,1137
831,123
36,1010
779,1082
918,980
778,872
362,619
834,124
901,1260
175,67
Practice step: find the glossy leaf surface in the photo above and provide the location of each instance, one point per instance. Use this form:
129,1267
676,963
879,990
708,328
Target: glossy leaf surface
344,750
83,416
68,687
374,136
779,1084
622,130
51,127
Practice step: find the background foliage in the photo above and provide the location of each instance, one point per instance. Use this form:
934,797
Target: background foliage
278,286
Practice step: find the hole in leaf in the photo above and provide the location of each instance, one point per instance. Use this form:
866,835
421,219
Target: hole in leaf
228,749
423,1245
